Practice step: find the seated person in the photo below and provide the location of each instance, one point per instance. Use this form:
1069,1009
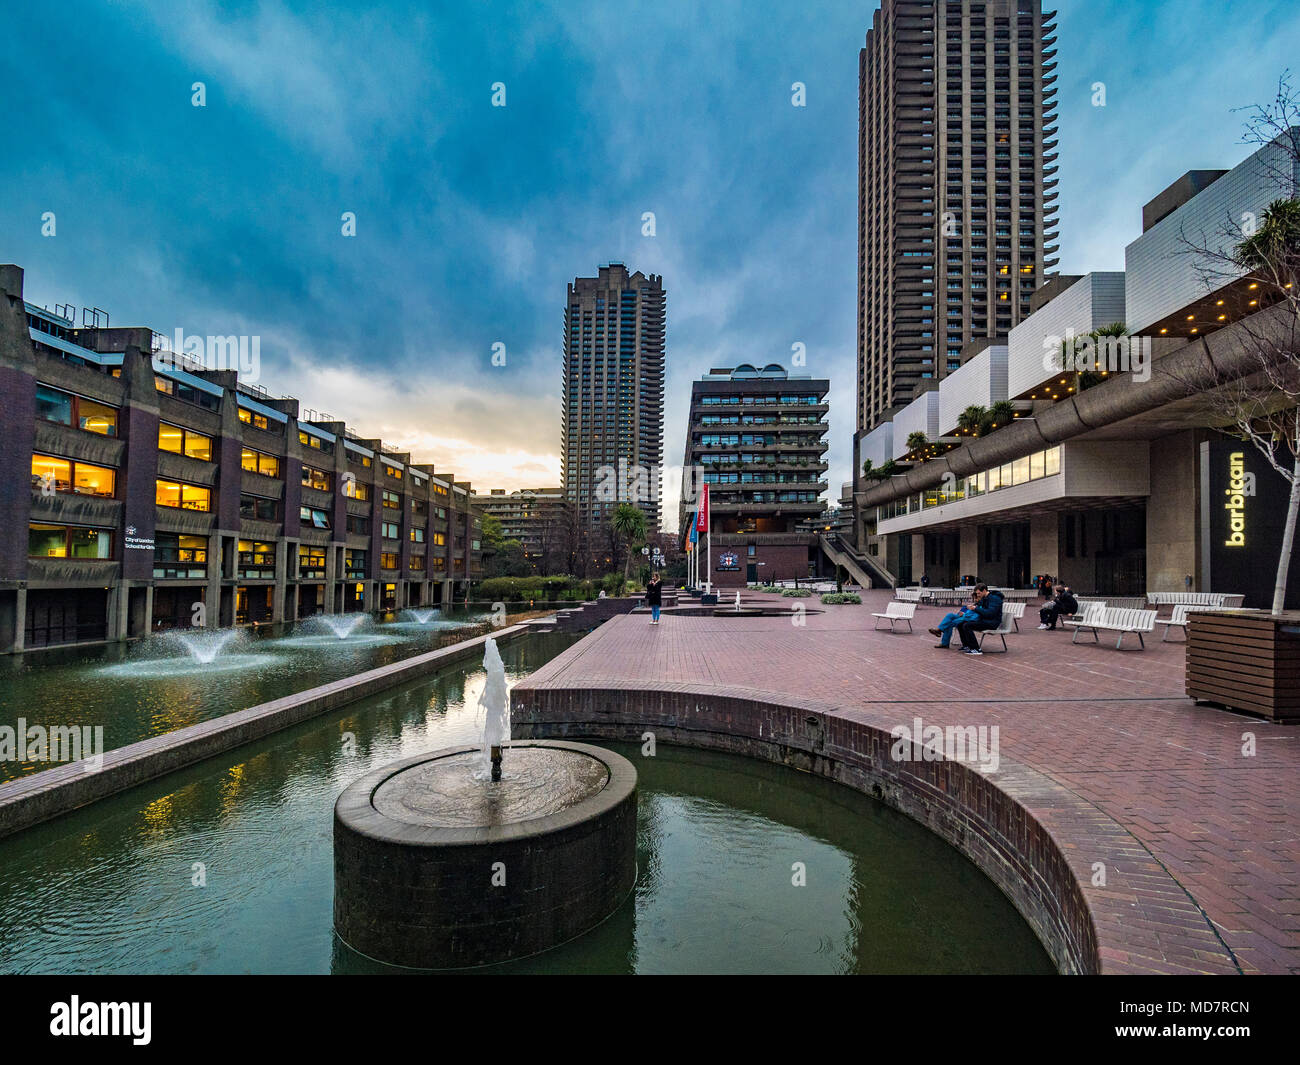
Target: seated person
1063,604
950,621
987,607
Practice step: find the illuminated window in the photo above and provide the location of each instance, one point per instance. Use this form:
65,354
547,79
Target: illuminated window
63,475
181,441
257,421
68,541
318,479
389,560
259,462
183,496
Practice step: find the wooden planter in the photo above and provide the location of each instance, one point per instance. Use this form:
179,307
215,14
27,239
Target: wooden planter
1247,661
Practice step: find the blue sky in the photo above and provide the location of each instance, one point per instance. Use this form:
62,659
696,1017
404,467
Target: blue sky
471,219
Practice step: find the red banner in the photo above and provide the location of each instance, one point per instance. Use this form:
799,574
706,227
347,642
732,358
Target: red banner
702,518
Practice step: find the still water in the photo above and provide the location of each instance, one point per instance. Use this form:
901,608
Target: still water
115,887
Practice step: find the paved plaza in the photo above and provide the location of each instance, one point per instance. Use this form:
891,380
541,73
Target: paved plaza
1199,839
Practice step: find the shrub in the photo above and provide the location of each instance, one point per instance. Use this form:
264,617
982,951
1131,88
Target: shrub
796,593
841,597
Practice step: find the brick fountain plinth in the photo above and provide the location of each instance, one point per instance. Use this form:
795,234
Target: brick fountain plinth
437,867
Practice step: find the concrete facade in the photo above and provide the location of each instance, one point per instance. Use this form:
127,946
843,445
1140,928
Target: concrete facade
139,492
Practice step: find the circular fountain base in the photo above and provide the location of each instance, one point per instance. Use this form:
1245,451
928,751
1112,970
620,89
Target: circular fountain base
435,868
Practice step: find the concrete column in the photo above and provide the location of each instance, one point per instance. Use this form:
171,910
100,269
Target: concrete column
1172,511
968,553
18,640
281,579
331,569
119,613
918,556
1044,544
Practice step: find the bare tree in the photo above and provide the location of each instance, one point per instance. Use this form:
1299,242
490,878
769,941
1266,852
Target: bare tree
1260,258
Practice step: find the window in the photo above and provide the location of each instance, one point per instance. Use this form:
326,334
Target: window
68,541
358,526
190,394
354,489
439,539
178,557
388,560
183,496
325,447
317,479
257,421
259,462
317,519
390,530
354,562
392,500
417,536
311,562
393,471
181,441
256,560
64,475
53,405
417,563
255,508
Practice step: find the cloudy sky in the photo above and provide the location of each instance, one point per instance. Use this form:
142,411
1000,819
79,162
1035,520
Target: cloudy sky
470,219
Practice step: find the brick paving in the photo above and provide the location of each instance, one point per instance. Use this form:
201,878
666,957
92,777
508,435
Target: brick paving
1200,841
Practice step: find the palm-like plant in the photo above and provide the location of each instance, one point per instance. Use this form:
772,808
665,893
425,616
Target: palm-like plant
916,442
1273,250
1001,413
971,419
628,523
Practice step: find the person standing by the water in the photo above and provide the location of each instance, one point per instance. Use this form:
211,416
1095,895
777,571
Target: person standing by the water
654,597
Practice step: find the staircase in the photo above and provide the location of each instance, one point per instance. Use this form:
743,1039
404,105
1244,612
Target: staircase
865,570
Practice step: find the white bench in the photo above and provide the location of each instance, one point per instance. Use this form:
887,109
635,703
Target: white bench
895,612
1122,621
1213,599
908,595
1011,615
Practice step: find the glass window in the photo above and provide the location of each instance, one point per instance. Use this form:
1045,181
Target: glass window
1036,464
314,478
417,536
1020,470
91,480
317,519
90,543
47,541
96,417
181,441
388,560
417,563
258,509
257,421
53,405
183,496
1052,463
392,500
390,530
259,462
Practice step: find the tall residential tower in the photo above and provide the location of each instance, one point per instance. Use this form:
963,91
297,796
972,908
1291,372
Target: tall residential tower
613,398
956,149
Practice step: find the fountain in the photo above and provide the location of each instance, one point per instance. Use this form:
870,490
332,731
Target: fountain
204,645
475,855
342,625
422,616
737,601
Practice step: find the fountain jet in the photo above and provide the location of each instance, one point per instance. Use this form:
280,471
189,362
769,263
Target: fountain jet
495,702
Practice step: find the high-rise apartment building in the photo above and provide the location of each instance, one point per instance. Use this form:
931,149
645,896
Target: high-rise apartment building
613,397
957,145
757,438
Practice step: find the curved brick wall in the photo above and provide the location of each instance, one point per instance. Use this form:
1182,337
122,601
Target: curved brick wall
992,824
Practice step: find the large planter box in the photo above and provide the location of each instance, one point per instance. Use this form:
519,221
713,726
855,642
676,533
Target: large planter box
1248,661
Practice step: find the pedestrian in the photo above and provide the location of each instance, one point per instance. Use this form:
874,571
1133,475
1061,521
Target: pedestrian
654,597
925,580
951,621
987,606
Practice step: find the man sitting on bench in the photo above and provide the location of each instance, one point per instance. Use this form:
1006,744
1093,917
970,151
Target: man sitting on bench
1063,604
987,606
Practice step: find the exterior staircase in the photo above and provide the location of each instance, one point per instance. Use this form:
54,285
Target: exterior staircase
862,568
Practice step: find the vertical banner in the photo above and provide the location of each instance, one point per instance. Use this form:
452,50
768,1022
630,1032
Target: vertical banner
702,515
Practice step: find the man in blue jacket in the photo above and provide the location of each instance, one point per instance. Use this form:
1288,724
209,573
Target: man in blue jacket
987,606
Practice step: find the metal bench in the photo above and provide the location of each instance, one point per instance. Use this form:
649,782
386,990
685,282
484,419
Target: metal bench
1122,621
896,612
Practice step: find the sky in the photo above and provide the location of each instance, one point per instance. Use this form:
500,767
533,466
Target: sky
470,219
